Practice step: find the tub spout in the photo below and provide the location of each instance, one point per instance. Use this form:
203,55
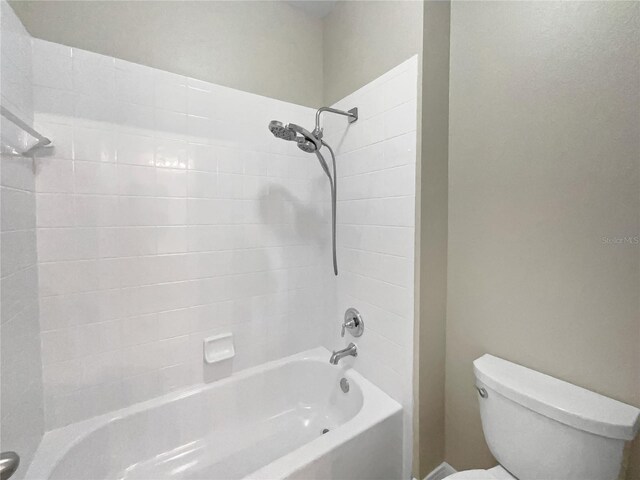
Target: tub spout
351,350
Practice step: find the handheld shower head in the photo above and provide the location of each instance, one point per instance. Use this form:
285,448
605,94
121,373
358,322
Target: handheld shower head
282,131
312,143
307,142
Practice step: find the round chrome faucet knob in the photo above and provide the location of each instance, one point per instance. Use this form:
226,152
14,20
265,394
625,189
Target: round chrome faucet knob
352,322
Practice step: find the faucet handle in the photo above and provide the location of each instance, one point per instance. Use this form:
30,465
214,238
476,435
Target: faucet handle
352,322
347,324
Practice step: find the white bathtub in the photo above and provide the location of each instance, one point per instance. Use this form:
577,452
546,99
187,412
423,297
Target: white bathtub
262,423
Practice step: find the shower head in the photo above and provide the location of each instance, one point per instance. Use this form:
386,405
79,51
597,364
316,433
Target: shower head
307,142
312,143
280,130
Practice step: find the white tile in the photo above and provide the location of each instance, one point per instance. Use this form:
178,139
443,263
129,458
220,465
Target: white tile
177,376
171,96
138,211
62,378
137,180
400,150
200,102
58,346
202,184
52,70
223,237
229,160
16,173
171,153
172,239
57,244
388,268
19,250
54,175
134,119
135,149
134,86
96,211
174,323
141,329
230,185
55,210
199,129
96,178
171,182
99,112
400,120
170,124
172,211
53,104
127,241
93,78
203,157
94,145
68,277
400,89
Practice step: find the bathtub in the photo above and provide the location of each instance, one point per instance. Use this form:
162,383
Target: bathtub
266,422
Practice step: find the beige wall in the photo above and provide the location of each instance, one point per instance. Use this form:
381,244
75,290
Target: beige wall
430,332
364,39
263,47
544,162
267,47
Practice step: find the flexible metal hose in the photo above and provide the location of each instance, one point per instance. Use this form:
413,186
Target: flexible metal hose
334,190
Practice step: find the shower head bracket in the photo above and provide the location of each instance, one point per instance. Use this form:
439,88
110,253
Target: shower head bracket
354,115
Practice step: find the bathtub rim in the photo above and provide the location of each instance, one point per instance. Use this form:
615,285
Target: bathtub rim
376,407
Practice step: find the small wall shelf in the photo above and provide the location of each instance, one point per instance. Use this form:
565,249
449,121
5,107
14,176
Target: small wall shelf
219,348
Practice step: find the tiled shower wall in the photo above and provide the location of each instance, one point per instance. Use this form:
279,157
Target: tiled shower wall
167,214
20,364
376,159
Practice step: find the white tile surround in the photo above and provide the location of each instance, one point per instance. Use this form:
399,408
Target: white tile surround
20,363
169,213
376,159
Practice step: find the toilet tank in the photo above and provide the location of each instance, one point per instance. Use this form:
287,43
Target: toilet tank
539,427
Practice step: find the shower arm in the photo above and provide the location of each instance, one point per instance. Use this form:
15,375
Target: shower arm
352,114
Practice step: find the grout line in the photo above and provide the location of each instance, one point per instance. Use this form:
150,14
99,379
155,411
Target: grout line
361,275
374,252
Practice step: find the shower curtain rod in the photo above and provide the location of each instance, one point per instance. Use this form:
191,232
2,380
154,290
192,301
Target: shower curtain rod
42,140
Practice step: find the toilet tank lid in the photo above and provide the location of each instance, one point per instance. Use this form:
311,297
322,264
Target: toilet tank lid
562,401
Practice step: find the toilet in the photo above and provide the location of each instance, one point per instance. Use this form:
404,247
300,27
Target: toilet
541,428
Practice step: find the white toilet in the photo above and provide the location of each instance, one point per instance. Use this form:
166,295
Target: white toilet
541,428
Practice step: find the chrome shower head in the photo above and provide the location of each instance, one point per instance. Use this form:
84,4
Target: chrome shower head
307,142
307,146
282,131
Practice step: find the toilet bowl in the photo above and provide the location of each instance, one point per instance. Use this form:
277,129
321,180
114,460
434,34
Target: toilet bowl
527,416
